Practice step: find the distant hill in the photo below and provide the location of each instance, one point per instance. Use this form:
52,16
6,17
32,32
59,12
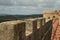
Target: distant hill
18,17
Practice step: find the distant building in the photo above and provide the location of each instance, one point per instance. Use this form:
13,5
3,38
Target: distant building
49,14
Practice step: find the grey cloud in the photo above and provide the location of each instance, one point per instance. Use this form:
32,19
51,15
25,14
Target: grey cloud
47,4
27,6
18,2
5,2
57,5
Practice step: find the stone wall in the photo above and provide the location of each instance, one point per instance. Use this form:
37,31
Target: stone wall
12,32
30,29
6,32
48,31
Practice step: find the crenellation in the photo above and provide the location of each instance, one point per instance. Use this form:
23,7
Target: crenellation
29,29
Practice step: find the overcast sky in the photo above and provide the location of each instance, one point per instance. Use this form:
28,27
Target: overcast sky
27,7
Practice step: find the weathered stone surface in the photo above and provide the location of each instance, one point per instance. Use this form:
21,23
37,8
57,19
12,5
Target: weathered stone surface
6,33
32,29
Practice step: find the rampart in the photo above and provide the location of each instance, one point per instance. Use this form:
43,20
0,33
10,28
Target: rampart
28,29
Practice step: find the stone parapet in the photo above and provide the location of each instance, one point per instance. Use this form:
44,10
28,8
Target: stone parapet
28,29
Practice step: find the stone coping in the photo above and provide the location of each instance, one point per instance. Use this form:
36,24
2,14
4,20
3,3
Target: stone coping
11,22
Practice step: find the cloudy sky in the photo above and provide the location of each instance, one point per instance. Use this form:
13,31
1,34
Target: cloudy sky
27,7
